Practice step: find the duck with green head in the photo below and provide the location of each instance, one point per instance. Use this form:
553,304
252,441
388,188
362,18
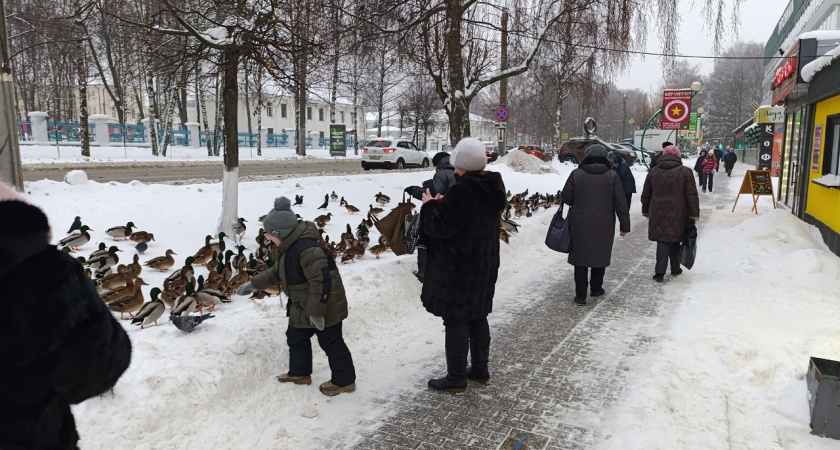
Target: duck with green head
151,311
76,240
121,231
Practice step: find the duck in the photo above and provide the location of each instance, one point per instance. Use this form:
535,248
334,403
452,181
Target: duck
185,304
240,228
177,280
169,297
362,230
382,199
209,296
377,250
510,226
120,231
383,241
369,220
323,218
214,261
504,235
103,269
219,246
215,279
348,256
76,240
114,280
141,236
342,202
150,311
114,294
101,251
376,211
110,256
134,266
162,263
334,196
239,257
204,253
506,215
129,300
242,276
350,208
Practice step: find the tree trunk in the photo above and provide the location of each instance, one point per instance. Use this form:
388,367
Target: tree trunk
150,91
459,114
82,74
203,111
230,180
301,98
167,119
258,107
217,125
558,118
182,99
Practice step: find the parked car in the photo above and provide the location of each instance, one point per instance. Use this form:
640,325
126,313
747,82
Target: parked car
533,150
392,153
636,151
574,150
492,153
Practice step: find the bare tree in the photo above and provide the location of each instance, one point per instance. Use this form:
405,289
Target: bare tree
734,84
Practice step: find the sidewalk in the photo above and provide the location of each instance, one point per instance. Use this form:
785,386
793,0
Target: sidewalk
556,368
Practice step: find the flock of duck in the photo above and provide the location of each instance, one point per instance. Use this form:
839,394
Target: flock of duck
120,285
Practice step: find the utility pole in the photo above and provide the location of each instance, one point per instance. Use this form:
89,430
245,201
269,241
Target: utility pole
503,84
624,118
10,170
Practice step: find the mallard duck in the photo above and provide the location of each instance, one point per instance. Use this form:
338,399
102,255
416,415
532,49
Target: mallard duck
383,241
151,311
177,280
510,226
382,199
214,261
350,208
114,280
506,215
101,251
334,196
239,257
240,228
110,256
169,297
128,300
76,240
362,230
323,218
504,235
114,294
162,263
377,250
103,269
376,211
120,231
242,276
185,304
208,296
134,268
369,221
204,253
342,202
348,256
219,245
141,236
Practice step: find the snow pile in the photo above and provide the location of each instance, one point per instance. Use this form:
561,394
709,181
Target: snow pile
522,162
820,63
828,180
76,177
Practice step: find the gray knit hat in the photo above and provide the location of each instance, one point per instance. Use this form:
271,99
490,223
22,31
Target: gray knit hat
596,151
469,154
281,221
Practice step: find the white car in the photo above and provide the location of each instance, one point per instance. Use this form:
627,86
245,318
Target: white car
392,153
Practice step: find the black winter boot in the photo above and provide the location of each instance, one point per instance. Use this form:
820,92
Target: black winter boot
421,263
480,357
455,380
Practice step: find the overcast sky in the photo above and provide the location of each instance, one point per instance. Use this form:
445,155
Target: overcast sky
758,18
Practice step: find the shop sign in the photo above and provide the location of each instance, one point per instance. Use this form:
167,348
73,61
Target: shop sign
775,114
692,122
765,147
815,160
786,74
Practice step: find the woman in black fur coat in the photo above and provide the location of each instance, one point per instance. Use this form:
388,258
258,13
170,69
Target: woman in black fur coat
59,344
461,232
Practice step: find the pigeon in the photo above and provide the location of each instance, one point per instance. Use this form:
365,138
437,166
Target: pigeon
188,323
141,247
298,200
326,201
77,224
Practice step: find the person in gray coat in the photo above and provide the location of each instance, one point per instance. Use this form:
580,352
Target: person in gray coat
669,199
595,193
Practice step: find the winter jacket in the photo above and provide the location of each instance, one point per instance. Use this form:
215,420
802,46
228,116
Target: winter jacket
309,276
709,164
443,179
669,198
730,160
596,197
461,232
59,343
619,164
698,165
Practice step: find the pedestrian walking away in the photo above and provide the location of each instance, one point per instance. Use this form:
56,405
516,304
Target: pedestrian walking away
729,162
308,274
718,155
440,183
59,343
628,182
461,232
669,199
698,166
596,196
709,165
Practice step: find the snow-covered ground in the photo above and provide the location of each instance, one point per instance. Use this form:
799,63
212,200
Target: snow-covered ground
728,369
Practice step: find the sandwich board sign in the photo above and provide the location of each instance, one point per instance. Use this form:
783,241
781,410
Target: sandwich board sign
756,183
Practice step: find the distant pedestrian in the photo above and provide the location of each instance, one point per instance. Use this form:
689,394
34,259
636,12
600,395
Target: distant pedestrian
595,193
308,275
729,162
59,344
718,155
461,232
698,167
628,182
441,181
710,164
669,198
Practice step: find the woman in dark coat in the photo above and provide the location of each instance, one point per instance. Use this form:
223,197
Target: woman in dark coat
669,199
698,166
729,162
596,196
461,232
59,344
628,182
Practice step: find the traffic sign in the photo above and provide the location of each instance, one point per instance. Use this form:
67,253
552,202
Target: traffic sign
501,114
565,136
676,108
631,121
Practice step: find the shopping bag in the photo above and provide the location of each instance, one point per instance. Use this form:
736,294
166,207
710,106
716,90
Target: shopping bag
559,236
393,226
412,235
688,249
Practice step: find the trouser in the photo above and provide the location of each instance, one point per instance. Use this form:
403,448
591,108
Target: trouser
728,171
666,251
582,280
331,341
629,197
708,181
700,178
464,336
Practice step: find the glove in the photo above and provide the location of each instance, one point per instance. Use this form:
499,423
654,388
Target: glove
317,322
410,190
246,289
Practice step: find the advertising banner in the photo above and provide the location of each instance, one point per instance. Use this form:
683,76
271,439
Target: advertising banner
338,140
676,108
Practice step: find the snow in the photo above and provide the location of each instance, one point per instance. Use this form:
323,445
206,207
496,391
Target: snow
820,35
76,177
823,61
828,180
727,369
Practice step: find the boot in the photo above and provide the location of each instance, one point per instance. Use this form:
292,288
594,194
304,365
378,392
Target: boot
480,356
455,380
421,263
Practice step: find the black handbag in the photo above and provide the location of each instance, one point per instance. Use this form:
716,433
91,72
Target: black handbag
688,249
412,235
559,236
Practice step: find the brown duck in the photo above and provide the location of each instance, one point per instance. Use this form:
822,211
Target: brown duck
162,263
129,301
